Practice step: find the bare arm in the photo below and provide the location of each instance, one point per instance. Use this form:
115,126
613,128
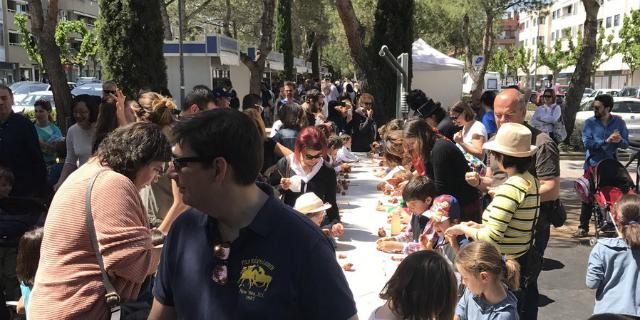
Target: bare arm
177,208
281,150
475,147
549,189
161,312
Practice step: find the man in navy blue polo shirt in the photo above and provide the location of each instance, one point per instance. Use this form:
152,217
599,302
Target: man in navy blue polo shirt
20,150
240,253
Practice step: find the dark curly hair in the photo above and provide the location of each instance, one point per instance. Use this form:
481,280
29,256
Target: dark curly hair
127,149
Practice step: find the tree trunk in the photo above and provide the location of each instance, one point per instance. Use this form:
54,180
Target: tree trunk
284,39
583,71
227,19
487,47
314,55
394,28
256,68
43,29
166,23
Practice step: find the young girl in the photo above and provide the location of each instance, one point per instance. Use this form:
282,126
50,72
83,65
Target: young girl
489,280
613,263
27,265
423,287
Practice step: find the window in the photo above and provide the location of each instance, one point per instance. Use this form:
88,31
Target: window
526,43
553,15
13,6
616,20
1,34
533,21
522,26
14,38
566,32
526,24
540,39
608,22
542,20
553,36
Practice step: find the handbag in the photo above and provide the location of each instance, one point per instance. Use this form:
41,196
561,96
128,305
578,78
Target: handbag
558,216
112,298
559,130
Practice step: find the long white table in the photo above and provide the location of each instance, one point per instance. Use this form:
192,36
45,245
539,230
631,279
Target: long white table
361,220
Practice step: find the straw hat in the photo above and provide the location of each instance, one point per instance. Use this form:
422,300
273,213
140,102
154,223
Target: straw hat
310,203
512,139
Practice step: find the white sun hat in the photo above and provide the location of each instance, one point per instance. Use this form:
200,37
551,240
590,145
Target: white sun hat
512,139
310,203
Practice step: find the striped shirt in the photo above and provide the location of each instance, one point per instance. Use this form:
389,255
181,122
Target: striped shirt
508,220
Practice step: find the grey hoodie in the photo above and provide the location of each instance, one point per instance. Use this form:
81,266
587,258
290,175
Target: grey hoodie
613,271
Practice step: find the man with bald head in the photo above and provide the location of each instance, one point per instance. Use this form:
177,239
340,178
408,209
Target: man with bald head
510,106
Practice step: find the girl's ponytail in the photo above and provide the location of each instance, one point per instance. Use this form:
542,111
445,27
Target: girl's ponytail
628,212
512,273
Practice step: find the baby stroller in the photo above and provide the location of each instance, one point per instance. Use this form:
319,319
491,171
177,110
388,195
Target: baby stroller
611,181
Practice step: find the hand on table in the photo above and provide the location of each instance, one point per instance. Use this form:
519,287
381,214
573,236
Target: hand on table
389,246
337,230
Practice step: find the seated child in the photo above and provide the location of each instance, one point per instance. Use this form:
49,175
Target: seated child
422,287
27,265
613,263
345,154
312,206
444,213
489,281
334,144
418,195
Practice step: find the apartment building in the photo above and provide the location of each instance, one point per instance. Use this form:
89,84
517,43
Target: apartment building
507,35
15,64
564,19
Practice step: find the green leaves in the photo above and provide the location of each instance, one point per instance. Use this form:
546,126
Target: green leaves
27,41
630,40
64,31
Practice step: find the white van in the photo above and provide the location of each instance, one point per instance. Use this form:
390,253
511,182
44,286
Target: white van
491,82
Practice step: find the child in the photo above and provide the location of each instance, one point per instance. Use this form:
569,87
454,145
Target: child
423,287
444,213
345,154
27,265
489,280
334,144
613,263
6,182
418,195
313,207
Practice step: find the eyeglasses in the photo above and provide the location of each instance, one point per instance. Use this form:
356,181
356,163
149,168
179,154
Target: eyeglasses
455,116
221,253
310,157
181,162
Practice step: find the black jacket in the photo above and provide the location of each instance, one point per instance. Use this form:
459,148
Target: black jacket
363,132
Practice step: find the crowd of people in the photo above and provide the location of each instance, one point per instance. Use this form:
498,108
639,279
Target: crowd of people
165,212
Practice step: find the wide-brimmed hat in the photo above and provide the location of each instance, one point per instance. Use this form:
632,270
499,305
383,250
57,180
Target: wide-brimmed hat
512,139
310,203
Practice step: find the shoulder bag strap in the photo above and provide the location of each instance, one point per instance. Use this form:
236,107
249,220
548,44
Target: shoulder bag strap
112,297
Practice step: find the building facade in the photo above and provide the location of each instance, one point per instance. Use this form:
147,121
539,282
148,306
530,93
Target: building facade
15,64
564,19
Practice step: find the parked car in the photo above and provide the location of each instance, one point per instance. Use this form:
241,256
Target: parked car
27,103
23,88
630,91
597,92
627,108
90,88
587,92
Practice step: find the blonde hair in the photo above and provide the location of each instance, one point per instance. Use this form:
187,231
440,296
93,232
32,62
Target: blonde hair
155,108
628,212
481,256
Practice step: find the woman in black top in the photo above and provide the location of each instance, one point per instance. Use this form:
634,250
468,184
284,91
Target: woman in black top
445,164
305,171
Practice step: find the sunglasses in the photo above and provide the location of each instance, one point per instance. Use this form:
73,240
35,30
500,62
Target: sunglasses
181,162
221,253
310,157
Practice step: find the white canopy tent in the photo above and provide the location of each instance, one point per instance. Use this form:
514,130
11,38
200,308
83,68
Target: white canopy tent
437,74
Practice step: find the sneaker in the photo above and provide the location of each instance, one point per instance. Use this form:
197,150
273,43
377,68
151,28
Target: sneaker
580,233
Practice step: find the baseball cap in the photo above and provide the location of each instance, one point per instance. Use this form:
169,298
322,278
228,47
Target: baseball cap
444,207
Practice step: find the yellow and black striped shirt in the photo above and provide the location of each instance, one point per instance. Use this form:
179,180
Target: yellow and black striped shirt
508,220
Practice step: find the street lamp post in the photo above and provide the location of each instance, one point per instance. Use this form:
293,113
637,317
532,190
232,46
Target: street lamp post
180,40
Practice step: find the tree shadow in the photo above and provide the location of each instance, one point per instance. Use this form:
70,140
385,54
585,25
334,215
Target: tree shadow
551,264
544,301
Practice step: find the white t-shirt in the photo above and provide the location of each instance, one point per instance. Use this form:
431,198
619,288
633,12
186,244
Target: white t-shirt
476,129
79,144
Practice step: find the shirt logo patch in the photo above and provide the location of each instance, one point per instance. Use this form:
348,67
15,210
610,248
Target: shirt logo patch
254,278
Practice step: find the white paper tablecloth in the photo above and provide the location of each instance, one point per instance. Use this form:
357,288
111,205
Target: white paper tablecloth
361,220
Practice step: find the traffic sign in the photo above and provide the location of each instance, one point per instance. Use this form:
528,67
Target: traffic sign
478,61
